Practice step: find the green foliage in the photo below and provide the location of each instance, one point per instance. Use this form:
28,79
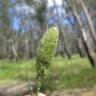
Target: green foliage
46,51
63,73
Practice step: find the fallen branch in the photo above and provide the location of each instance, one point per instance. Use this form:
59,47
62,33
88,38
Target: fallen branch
17,90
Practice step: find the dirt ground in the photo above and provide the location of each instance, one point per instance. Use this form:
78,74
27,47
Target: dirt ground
76,92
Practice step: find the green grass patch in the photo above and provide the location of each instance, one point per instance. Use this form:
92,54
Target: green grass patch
62,74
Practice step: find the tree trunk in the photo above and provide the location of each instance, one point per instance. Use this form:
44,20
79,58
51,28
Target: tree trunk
14,52
80,48
26,51
91,26
62,34
4,50
65,46
90,53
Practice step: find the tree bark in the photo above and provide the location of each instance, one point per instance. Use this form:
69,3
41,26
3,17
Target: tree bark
14,52
80,48
62,34
26,51
65,46
89,51
91,26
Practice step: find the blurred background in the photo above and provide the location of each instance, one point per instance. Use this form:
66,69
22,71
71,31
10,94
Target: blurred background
22,25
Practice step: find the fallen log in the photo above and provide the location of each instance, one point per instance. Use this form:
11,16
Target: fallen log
16,90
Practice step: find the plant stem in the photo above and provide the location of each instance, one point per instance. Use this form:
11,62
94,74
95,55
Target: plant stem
38,85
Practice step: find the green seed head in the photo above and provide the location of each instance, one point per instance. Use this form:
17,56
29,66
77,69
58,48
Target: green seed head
46,51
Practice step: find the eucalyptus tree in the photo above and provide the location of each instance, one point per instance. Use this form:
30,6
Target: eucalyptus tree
89,19
6,32
76,38
61,33
30,11
41,19
83,34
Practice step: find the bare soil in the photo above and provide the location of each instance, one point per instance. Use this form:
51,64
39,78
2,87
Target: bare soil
76,92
